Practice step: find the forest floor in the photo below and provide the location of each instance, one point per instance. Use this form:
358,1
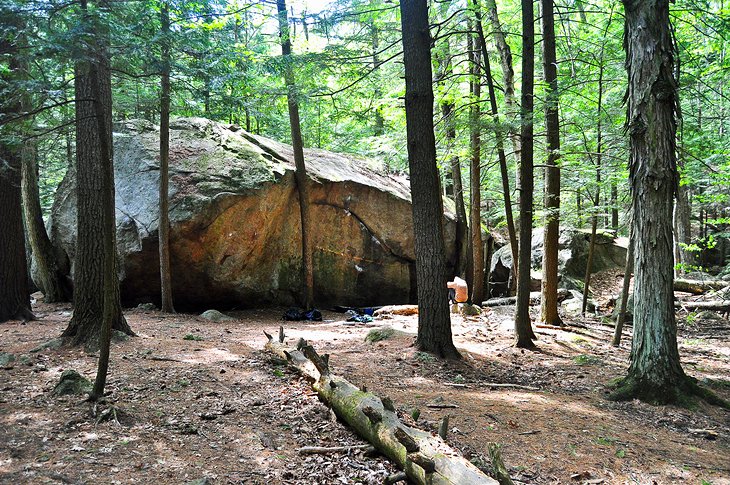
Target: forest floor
202,403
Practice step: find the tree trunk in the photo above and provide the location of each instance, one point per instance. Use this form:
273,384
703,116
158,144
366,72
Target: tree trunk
624,294
434,322
589,264
462,229
300,173
499,135
508,73
549,301
14,291
95,256
164,221
475,180
684,258
51,275
655,373
523,324
597,199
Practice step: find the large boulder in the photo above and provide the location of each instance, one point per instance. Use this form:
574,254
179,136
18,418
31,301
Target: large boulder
573,248
235,229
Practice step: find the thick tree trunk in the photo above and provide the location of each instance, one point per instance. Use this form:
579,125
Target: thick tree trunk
434,321
655,373
549,301
14,291
425,458
14,294
475,180
166,304
300,173
523,324
95,203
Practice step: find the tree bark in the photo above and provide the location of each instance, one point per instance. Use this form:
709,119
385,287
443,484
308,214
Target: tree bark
14,291
508,73
499,136
462,229
95,199
51,273
655,373
434,321
300,173
166,304
684,258
475,179
523,324
549,301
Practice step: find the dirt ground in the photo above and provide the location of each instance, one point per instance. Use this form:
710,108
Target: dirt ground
201,403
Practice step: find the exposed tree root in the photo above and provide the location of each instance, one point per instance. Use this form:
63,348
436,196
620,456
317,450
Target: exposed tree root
681,393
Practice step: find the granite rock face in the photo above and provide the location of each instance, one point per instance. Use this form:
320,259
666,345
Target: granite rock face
235,231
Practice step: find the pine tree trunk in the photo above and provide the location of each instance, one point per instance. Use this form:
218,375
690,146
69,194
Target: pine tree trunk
655,373
499,136
513,121
462,228
300,173
95,201
523,324
505,56
683,230
434,321
549,301
14,292
629,269
475,181
166,304
51,275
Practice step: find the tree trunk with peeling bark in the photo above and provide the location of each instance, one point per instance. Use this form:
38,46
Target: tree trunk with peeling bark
655,373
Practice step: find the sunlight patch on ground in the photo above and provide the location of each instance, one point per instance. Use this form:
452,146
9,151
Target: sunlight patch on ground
210,356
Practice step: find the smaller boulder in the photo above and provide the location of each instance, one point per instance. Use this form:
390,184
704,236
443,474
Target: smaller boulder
6,360
216,316
574,303
71,382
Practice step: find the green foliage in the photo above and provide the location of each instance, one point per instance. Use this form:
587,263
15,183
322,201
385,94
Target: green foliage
193,337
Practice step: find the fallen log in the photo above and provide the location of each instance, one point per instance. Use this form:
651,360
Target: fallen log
717,305
534,299
698,287
426,459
